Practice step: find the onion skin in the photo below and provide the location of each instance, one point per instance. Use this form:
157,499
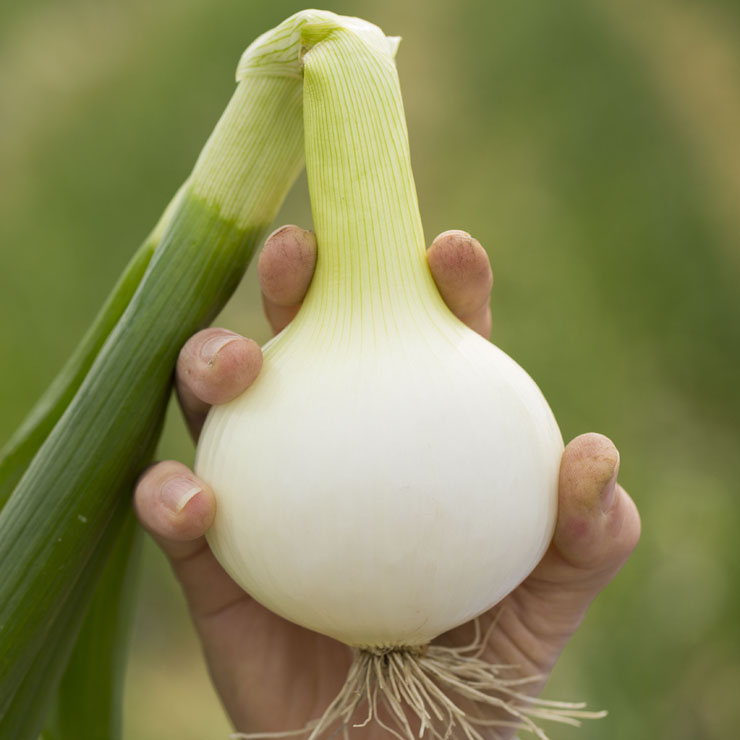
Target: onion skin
383,499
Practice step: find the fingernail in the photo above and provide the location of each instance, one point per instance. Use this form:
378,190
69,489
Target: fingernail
607,493
176,493
212,346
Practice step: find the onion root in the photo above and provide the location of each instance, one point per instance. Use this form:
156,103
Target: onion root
438,691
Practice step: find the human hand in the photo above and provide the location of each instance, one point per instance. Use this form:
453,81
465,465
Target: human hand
273,675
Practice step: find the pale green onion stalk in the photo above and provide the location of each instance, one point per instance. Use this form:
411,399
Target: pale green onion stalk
67,499
391,474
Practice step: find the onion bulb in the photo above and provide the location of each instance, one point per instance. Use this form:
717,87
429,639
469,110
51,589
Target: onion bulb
390,474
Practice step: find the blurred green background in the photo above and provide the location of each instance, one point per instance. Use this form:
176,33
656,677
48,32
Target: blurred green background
593,148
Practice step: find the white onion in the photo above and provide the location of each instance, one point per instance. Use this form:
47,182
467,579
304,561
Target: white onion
382,494
391,474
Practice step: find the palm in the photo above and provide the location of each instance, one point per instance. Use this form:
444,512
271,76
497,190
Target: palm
282,676
270,673
274,675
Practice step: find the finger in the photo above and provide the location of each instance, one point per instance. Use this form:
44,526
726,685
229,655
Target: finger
598,524
285,269
598,527
177,508
462,271
214,366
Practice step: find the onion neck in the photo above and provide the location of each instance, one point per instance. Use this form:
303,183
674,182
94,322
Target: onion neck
371,262
338,75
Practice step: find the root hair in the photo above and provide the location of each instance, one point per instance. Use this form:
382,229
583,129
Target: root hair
417,685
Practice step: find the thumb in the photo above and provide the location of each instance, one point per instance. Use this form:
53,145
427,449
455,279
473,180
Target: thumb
597,529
